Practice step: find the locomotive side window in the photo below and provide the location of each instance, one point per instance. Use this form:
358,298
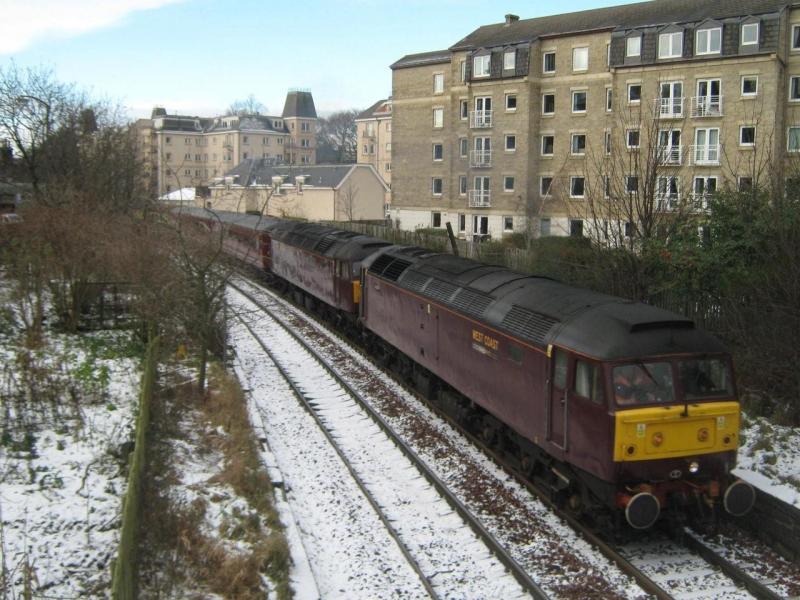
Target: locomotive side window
708,378
643,383
588,381
560,370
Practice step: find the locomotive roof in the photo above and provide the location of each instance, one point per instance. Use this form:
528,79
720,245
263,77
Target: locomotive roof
258,222
332,242
543,311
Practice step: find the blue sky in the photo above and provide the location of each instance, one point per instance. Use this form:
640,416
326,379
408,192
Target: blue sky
197,56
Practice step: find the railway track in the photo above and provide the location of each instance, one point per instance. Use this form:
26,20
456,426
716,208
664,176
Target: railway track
448,560
654,571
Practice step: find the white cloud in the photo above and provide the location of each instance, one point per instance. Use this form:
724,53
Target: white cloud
24,22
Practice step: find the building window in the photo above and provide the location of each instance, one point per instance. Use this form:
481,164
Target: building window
793,139
387,167
389,147
632,138
244,155
305,143
549,62
544,227
511,102
750,34
578,102
670,45
744,184
511,143
609,99
463,109
702,188
708,41
167,140
462,185
576,227
438,117
463,147
580,59
548,104
578,145
462,222
749,85
509,60
436,186
168,155
463,70
607,141
508,183
747,135
547,145
438,83
794,88
438,152
633,46
576,186
632,184
187,141
481,65
634,93
436,219
545,185
508,223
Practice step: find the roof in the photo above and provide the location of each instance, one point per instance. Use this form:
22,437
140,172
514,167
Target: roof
255,171
656,12
424,58
299,104
382,108
186,194
543,311
257,222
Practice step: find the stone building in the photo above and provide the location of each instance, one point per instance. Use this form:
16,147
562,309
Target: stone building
523,125
182,151
374,135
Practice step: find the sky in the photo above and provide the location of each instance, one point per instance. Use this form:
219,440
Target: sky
198,56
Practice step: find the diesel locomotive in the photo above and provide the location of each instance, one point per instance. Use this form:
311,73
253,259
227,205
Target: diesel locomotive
620,408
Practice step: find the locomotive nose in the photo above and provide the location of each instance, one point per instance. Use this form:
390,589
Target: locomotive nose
642,510
739,498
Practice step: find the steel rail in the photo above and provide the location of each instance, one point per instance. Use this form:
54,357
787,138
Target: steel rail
516,570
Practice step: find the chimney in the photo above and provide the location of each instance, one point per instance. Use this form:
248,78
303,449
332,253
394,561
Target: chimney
511,19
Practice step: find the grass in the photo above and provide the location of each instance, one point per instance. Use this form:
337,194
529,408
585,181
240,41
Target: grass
184,558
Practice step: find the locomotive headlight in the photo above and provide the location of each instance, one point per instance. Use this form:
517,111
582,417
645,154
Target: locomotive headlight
694,467
658,438
702,435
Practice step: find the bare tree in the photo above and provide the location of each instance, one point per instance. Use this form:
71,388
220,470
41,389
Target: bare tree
346,201
337,134
248,106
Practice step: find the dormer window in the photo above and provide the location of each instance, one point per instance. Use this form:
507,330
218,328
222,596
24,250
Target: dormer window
509,60
708,41
670,45
633,46
750,34
481,65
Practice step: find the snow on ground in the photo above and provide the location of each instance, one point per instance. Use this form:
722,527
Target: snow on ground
769,459
62,472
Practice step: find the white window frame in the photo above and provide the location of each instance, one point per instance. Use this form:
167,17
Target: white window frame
585,101
438,83
515,101
485,62
544,61
438,118
505,182
792,79
506,139
572,140
708,49
463,109
505,221
628,133
795,36
705,193
463,68
631,86
463,147
628,180
571,185
577,52
609,99
509,60
462,185
746,27
741,88
440,145
542,192
741,131
541,145
554,103
607,142
669,38
638,40
789,137
433,186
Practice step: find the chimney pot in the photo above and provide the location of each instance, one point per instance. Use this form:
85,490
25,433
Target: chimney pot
511,19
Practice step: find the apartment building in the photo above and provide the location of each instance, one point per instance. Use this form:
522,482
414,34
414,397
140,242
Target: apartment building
374,135
528,125
186,151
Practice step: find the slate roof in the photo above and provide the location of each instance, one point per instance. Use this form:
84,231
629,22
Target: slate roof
656,12
382,108
424,58
254,171
299,104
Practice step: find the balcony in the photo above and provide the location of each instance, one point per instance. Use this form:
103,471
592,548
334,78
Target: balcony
667,202
706,106
669,108
700,202
480,199
480,159
480,119
706,155
670,155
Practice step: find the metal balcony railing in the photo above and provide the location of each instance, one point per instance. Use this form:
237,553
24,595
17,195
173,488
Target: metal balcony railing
707,154
668,202
670,155
479,119
480,199
707,106
669,108
480,158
